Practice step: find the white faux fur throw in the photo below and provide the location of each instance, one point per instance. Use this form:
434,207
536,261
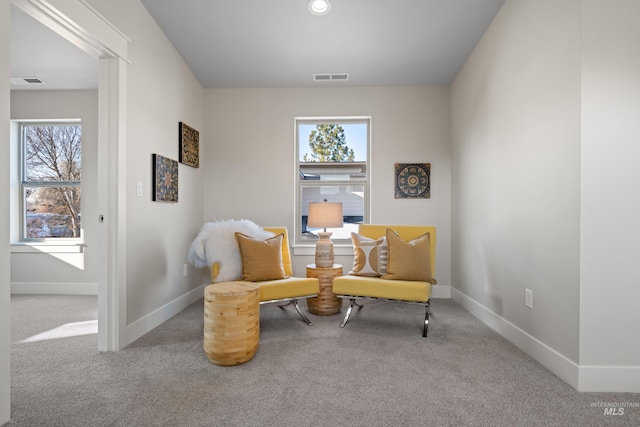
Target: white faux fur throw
216,242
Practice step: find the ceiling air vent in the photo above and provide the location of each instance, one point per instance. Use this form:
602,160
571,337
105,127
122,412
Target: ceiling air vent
331,77
26,81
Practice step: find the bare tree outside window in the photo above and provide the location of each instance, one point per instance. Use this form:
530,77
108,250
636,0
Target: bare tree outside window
51,180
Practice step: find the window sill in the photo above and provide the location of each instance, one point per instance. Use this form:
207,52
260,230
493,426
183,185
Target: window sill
47,248
341,250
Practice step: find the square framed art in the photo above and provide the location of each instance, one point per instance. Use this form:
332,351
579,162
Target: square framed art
412,180
165,179
189,146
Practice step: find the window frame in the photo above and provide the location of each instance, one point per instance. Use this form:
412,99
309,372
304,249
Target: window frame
365,183
24,183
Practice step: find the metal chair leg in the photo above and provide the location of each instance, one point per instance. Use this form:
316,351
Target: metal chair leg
427,311
294,302
352,302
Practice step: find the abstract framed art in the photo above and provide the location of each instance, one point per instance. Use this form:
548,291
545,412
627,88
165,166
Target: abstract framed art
413,180
189,145
165,179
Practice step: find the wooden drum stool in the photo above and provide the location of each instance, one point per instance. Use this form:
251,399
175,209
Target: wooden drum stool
326,303
231,322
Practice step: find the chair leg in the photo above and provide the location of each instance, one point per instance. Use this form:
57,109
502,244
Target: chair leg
352,302
294,302
427,311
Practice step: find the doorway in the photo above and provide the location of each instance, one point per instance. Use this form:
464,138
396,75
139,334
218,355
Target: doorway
109,48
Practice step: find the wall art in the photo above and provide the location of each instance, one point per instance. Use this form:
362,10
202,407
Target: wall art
165,179
189,146
413,180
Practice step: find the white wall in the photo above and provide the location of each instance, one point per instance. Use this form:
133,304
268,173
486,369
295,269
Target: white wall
161,92
5,342
516,185
249,160
609,292
61,272
545,148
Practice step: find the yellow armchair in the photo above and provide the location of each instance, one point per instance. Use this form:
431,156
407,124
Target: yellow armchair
287,290
355,287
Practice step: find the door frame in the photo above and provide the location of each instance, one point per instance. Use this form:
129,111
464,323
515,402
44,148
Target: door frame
84,27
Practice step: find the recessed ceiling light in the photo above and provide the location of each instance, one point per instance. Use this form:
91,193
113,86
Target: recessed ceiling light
319,7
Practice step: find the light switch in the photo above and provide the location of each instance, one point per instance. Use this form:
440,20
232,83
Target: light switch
139,189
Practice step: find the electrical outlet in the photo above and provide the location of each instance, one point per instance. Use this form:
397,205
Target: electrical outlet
139,188
528,298
185,270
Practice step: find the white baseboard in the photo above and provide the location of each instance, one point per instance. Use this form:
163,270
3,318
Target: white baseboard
52,288
154,319
605,379
561,366
613,379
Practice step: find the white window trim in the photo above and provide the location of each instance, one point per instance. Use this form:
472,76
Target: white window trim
18,242
340,248
47,247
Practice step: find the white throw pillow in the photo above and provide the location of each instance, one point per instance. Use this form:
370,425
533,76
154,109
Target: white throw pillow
369,256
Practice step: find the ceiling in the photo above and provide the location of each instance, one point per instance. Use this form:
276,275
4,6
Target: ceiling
36,51
261,43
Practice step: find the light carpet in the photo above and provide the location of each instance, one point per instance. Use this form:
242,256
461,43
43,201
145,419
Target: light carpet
378,371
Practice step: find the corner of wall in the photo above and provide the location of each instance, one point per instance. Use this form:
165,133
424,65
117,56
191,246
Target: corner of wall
560,365
5,333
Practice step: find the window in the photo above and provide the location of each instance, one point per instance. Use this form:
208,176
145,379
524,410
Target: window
50,177
332,164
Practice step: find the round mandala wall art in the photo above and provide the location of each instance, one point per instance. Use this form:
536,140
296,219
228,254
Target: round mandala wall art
413,180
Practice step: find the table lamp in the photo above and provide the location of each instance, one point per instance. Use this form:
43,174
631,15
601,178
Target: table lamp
324,215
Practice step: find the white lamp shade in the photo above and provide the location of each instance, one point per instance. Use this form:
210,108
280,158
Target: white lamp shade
324,215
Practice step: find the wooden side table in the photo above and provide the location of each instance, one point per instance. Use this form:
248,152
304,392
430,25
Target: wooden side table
326,303
231,322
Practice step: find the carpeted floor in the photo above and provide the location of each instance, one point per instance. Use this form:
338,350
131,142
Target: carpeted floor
378,371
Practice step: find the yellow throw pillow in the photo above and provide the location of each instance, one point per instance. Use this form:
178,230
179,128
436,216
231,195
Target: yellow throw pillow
369,256
261,259
409,260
